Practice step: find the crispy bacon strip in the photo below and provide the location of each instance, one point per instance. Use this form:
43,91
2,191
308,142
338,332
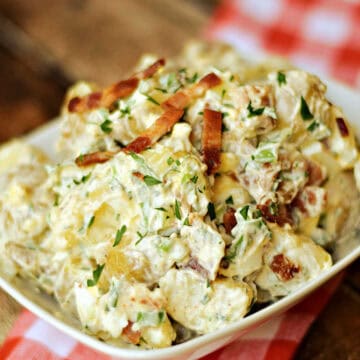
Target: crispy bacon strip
97,157
229,220
114,92
344,131
159,128
211,139
182,99
151,70
132,336
282,266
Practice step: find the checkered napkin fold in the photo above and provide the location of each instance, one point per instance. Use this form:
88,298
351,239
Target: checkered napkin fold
321,36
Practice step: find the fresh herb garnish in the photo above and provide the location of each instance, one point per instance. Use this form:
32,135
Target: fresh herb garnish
91,221
313,126
281,78
106,126
193,78
83,179
264,156
170,160
125,111
137,158
164,91
224,128
305,111
96,276
141,236
273,208
151,181
232,254
223,93
56,200
244,212
151,99
119,235
229,200
194,179
254,112
186,222
177,210
160,209
211,211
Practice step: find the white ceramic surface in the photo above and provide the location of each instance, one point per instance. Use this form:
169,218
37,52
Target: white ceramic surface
46,308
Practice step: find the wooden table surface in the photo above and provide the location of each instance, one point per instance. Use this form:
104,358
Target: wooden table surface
46,45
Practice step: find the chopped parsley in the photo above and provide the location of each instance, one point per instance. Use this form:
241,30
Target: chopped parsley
160,209
187,177
244,212
201,113
91,221
177,210
56,200
96,276
164,91
125,111
235,249
106,126
281,78
264,156
151,318
151,99
313,126
119,235
137,158
194,179
192,79
273,208
186,222
151,181
83,179
229,200
141,236
211,211
223,93
170,160
305,111
254,112
224,128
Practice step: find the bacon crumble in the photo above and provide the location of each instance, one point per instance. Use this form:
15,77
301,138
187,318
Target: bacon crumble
229,220
344,131
280,216
211,139
132,336
282,266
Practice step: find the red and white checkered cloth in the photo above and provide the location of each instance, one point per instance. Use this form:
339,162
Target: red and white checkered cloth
34,339
322,36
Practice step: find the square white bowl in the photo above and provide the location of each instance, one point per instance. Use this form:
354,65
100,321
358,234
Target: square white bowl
46,307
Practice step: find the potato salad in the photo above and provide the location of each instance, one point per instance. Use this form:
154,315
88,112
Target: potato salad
181,196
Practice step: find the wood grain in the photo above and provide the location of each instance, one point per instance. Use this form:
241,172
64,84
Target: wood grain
46,45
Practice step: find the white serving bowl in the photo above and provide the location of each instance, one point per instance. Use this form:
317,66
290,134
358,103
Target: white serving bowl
46,307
